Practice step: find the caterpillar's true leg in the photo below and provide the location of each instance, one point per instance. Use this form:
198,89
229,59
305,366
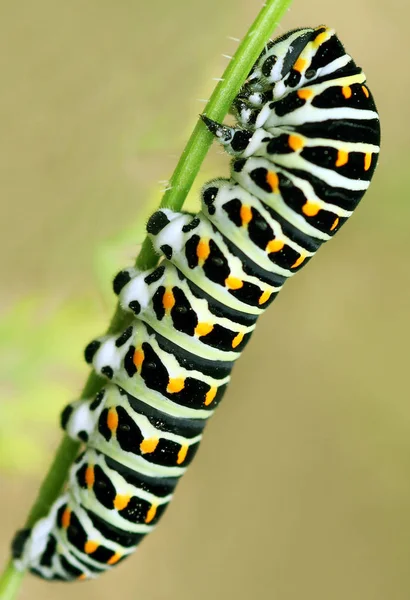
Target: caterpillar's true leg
238,141
235,140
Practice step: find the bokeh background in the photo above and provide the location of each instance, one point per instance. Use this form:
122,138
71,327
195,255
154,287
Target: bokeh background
301,488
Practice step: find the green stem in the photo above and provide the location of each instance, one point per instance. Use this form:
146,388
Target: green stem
179,186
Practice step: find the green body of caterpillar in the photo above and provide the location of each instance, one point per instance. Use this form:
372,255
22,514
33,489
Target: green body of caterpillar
305,149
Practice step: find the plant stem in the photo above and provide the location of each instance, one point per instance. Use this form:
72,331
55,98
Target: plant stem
179,186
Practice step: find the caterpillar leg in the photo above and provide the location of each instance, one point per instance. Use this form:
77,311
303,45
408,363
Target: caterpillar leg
238,141
245,112
79,418
235,140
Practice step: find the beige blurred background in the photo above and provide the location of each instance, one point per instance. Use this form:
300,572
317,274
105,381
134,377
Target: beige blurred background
301,488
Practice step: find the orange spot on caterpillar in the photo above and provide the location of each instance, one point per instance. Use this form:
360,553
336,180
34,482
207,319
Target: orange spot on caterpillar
148,445
152,511
138,358
121,501
342,158
310,209
273,181
82,577
264,297
112,420
246,214
168,300
301,63
175,385
295,142
203,329
305,94
274,246
347,91
203,250
66,518
182,454
298,262
335,224
367,160
365,91
237,340
89,476
210,396
114,559
321,38
90,547
233,283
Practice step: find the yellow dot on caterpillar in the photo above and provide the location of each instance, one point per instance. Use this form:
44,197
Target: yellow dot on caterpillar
203,329
335,224
365,91
114,559
89,476
149,445
112,420
298,262
300,64
152,511
66,518
347,91
121,501
233,283
321,38
367,160
245,214
310,209
182,454
210,396
305,94
168,300
264,297
274,246
273,181
203,250
175,385
138,358
90,546
295,142
82,577
237,340
342,158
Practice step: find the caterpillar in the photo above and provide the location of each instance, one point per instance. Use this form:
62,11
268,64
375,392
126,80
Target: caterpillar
304,150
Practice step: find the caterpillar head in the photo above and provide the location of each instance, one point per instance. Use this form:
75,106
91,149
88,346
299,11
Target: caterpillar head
295,60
